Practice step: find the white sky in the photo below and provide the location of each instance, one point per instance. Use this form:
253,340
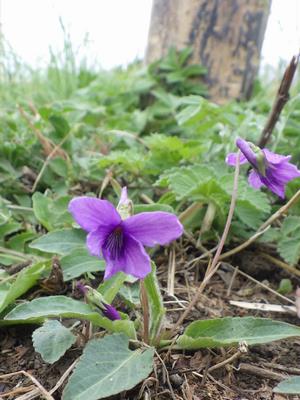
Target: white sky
118,29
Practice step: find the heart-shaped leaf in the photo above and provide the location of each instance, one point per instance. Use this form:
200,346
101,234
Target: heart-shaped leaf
52,340
108,367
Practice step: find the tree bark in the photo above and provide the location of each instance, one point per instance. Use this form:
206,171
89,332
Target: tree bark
226,37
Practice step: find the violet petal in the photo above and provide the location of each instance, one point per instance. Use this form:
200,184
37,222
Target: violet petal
245,148
278,175
90,213
231,159
284,171
151,228
275,186
96,239
275,158
254,179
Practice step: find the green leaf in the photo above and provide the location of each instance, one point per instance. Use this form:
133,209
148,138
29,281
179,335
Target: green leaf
229,331
8,259
272,235
290,224
26,278
18,242
52,214
52,340
4,212
37,310
108,367
285,286
157,309
78,263
8,228
61,241
182,181
209,184
288,244
252,205
60,124
110,287
52,306
138,208
289,386
42,209
131,293
289,249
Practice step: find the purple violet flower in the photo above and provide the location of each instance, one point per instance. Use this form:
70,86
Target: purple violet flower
110,312
269,169
121,241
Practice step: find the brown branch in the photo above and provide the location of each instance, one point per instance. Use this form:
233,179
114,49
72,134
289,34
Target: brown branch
261,372
280,101
43,391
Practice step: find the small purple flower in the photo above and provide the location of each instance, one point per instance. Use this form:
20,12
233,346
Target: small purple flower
110,312
121,241
269,169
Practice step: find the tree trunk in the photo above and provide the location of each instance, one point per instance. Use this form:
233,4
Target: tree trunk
226,37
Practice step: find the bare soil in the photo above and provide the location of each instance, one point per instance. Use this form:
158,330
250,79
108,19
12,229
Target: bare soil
251,375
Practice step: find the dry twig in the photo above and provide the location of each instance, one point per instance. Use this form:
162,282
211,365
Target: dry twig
261,372
281,264
260,284
48,159
225,362
16,391
35,392
171,272
264,307
42,390
281,99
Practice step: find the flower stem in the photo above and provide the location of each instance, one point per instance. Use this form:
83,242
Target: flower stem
214,265
145,308
264,227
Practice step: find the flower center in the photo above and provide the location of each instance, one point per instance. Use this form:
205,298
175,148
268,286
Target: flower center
114,242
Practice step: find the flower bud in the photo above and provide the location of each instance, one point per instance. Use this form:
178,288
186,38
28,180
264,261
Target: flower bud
125,206
110,312
94,298
260,159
